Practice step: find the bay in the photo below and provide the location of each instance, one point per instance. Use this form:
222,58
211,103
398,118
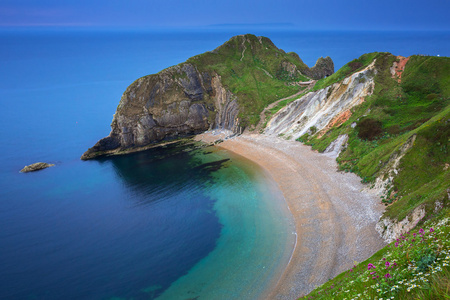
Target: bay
156,223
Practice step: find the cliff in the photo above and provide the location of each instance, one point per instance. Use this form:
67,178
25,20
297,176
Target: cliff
385,118
226,88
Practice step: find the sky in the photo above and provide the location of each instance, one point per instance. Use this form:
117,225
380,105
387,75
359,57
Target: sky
295,14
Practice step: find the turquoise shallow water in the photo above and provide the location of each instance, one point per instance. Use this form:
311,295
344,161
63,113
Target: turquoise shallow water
256,240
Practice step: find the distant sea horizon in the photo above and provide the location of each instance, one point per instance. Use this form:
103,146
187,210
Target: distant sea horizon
146,224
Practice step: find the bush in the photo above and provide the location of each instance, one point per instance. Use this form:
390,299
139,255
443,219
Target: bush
369,129
425,258
313,130
355,65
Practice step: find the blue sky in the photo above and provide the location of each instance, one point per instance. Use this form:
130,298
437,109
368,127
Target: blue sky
298,14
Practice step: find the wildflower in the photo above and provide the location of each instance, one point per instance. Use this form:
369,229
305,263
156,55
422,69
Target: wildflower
414,234
370,266
431,229
388,275
421,230
371,273
387,264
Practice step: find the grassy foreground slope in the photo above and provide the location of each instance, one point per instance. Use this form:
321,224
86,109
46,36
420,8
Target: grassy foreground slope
400,135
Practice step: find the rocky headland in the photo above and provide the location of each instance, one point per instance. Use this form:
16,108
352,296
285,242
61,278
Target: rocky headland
212,90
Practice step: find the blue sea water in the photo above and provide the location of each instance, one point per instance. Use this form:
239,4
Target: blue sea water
167,222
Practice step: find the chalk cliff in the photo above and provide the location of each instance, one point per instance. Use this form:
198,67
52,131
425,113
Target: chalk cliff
324,107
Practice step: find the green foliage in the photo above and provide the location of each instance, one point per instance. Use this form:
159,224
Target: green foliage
416,266
251,69
348,69
369,129
401,111
425,257
418,110
313,130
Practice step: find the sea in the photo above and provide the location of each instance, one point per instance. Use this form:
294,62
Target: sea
176,222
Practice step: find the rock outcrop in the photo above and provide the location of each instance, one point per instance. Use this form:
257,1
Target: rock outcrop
324,67
320,108
204,93
36,167
177,102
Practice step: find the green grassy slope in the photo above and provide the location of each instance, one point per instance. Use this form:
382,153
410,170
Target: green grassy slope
414,267
418,107
254,70
348,69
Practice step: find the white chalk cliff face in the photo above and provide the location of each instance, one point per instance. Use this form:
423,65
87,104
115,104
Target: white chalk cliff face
322,108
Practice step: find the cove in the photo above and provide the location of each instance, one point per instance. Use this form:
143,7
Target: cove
256,240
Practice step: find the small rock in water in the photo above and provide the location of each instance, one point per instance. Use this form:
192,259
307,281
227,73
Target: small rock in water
35,167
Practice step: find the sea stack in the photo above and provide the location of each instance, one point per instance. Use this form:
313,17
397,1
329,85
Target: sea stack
36,167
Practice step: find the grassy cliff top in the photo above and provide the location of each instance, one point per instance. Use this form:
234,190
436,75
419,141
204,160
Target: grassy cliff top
407,118
256,72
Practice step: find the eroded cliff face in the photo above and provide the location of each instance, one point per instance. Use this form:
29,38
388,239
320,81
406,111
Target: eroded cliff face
224,89
323,107
176,102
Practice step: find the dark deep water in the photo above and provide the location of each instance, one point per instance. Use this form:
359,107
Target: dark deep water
130,221
131,226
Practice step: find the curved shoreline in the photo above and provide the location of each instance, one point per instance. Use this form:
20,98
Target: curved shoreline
334,219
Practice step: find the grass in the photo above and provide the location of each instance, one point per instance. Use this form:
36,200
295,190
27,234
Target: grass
417,108
257,76
348,69
415,266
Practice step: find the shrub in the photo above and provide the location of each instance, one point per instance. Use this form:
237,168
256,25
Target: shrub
369,129
425,258
313,130
355,65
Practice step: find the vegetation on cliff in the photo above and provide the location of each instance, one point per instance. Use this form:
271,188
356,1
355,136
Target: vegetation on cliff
226,88
399,139
417,106
416,266
258,73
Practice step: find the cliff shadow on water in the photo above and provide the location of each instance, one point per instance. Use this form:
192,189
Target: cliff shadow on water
171,185
166,169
